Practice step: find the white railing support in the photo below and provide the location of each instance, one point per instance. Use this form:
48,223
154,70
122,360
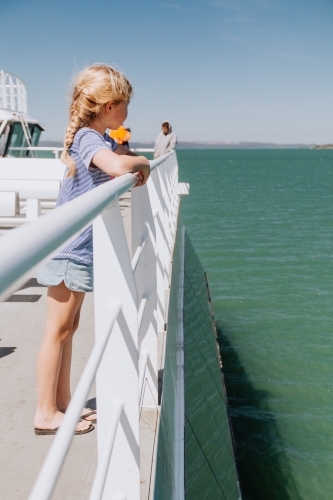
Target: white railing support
118,374
143,364
138,252
159,214
146,283
143,304
168,192
100,477
119,495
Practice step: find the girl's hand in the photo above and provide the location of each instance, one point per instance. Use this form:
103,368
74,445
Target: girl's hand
142,176
139,179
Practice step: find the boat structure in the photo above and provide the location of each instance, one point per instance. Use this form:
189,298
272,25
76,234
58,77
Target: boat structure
147,354
19,133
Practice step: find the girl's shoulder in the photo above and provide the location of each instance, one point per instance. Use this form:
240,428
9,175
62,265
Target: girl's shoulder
85,139
87,142
89,135
86,132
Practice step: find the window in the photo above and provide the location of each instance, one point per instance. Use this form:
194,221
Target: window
35,132
16,140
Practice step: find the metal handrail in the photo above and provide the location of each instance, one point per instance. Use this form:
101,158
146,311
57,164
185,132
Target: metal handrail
53,463
46,235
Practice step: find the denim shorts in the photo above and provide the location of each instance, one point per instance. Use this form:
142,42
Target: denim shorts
77,277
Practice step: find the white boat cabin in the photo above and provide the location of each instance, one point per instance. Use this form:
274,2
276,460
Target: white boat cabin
19,133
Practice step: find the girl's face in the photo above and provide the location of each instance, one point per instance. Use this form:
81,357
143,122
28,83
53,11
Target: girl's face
117,114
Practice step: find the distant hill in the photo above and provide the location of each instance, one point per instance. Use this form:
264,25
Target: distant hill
323,146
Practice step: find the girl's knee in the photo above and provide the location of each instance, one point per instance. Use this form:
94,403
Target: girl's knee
75,327
71,329
61,333
76,321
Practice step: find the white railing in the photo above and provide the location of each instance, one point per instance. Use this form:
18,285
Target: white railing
130,305
56,151
143,150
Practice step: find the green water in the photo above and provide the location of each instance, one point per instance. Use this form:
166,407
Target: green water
261,222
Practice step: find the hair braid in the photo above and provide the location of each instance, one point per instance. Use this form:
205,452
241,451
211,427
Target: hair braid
73,126
95,86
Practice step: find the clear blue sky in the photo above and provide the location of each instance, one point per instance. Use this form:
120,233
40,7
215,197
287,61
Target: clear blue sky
223,70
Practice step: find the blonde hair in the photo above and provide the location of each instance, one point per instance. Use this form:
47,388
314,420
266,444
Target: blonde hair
94,87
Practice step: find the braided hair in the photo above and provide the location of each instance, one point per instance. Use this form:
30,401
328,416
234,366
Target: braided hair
94,87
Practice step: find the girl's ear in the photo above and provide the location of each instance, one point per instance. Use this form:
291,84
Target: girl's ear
108,106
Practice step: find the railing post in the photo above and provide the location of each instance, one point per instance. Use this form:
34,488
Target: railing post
118,374
154,208
143,228
158,206
168,177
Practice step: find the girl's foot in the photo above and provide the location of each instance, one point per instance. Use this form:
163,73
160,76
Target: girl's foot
89,415
51,424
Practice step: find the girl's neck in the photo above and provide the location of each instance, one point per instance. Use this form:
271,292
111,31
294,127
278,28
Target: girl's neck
99,127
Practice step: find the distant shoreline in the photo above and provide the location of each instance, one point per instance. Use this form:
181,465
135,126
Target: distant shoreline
323,146
214,145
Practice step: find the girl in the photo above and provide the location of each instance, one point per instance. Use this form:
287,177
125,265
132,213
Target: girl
100,99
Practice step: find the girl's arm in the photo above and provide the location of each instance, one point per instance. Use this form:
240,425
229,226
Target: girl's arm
118,164
124,151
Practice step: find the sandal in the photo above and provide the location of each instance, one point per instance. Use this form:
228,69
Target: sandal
47,432
89,412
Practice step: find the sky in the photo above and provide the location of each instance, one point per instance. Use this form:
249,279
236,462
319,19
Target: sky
218,70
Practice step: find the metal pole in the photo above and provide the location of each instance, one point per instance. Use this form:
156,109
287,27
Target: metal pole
100,477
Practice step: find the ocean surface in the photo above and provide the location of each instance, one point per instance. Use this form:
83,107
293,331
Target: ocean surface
261,222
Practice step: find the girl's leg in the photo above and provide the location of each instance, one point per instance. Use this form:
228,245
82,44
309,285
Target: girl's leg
63,304
63,390
63,394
